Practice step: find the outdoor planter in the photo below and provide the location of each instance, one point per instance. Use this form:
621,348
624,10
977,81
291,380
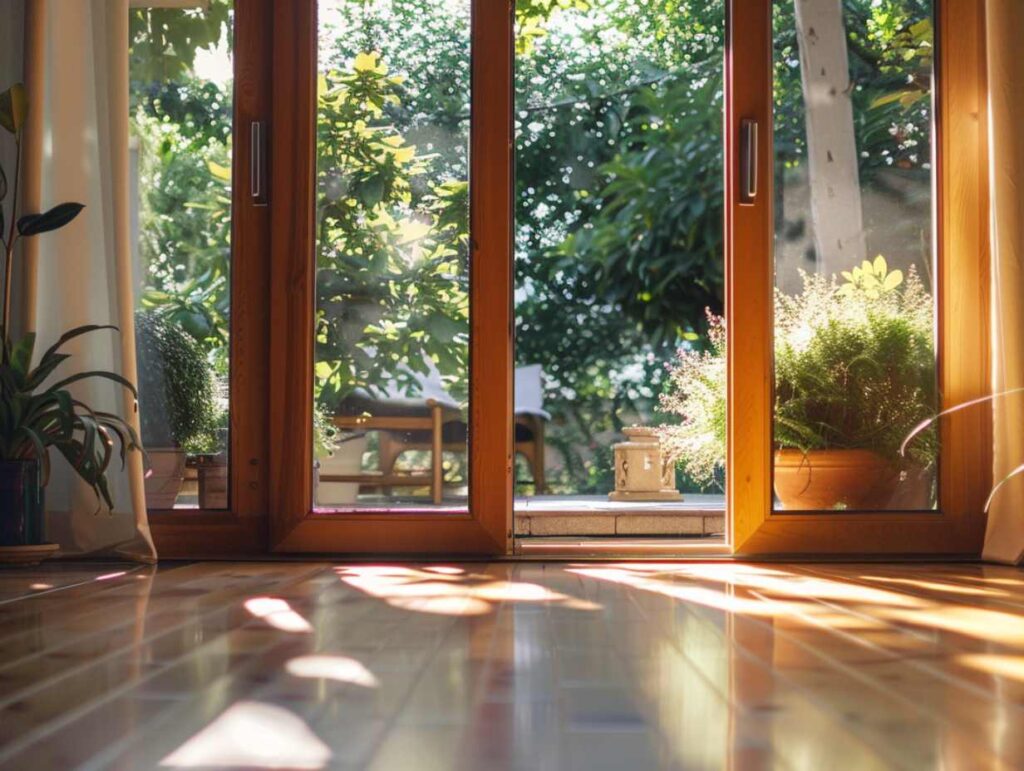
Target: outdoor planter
212,473
165,477
831,479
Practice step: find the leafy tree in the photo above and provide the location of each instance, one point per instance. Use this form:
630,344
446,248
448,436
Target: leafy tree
185,222
392,244
163,41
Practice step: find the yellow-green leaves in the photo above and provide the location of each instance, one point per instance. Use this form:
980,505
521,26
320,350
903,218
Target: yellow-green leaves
13,108
223,173
368,62
873,278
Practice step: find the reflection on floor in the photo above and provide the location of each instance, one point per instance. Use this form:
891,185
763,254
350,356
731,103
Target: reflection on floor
514,665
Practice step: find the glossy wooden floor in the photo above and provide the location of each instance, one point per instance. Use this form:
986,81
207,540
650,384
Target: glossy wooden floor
620,666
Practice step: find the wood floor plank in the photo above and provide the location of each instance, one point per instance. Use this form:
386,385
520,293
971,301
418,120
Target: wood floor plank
515,666
30,712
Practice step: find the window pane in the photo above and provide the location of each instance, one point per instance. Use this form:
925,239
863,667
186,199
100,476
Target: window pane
855,363
619,259
392,257
181,118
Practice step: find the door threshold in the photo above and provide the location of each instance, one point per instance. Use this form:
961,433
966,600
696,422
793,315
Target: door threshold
604,548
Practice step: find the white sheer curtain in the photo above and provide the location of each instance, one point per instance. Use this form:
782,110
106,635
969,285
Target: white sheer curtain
76,70
1004,537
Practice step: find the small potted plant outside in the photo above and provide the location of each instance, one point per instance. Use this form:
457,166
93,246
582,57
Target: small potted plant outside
335,452
38,408
854,374
176,402
208,456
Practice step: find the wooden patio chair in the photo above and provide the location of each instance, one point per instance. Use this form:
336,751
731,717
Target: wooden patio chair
432,421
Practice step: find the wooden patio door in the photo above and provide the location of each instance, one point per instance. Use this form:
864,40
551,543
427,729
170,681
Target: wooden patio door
948,115
480,521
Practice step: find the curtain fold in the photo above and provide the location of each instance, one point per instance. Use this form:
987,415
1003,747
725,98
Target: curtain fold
76,65
1004,536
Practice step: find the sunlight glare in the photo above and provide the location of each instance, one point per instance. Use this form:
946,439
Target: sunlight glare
446,606
278,613
448,590
329,667
937,586
1008,666
980,623
250,734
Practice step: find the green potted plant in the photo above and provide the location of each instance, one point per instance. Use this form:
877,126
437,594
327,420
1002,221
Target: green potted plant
854,374
175,400
38,408
208,456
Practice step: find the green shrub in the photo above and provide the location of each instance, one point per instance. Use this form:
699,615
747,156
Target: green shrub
176,390
854,369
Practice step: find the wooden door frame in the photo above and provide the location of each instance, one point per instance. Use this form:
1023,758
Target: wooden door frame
485,528
961,205
239,530
271,444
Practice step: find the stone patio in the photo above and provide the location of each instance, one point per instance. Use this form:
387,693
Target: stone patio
553,515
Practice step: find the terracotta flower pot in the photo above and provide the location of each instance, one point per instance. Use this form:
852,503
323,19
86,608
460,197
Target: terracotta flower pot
821,480
165,477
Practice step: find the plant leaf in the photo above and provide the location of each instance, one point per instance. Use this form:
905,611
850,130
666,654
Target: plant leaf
57,217
97,373
892,281
991,496
71,334
21,355
13,108
46,368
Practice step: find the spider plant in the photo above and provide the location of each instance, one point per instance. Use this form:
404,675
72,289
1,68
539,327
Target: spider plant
924,425
38,411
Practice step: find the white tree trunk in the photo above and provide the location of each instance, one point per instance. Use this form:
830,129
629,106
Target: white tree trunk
831,147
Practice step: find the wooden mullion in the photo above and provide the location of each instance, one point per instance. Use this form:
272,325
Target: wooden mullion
749,272
292,273
240,529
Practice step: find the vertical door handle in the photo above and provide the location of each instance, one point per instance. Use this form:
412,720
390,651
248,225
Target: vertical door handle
748,161
258,162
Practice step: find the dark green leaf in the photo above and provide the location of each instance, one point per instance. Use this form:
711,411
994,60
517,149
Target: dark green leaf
96,373
21,355
73,333
57,217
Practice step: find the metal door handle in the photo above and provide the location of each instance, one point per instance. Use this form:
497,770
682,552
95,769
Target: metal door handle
748,161
258,162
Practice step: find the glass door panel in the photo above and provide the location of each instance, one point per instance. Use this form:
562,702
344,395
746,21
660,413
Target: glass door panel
619,267
855,309
181,105
392,321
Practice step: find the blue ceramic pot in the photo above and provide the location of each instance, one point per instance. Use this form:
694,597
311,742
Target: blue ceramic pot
21,503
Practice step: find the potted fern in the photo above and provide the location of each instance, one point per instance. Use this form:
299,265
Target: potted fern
38,408
854,374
